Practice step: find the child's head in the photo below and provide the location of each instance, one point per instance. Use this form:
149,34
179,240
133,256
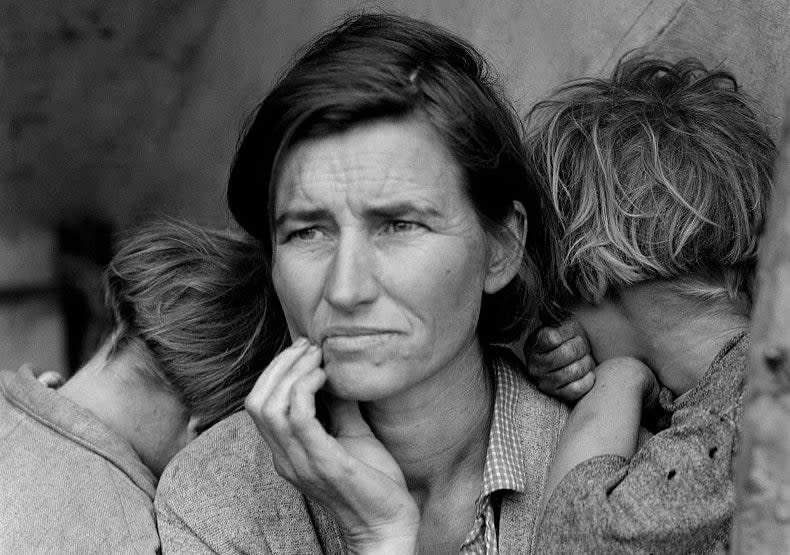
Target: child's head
662,171
196,309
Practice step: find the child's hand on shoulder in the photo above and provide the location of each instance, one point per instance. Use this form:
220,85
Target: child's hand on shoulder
559,362
49,378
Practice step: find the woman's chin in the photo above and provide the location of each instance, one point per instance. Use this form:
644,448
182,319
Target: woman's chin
358,380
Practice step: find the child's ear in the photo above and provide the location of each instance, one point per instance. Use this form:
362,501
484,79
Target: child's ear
195,427
506,250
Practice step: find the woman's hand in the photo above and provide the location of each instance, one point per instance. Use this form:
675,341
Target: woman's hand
351,474
559,362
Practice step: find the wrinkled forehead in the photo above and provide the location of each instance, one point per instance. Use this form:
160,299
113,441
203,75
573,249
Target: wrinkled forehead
383,161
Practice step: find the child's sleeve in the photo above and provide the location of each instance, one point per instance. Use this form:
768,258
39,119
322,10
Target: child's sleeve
676,495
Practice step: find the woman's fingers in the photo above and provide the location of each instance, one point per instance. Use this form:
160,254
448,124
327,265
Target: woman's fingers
313,457
353,476
278,401
269,413
283,362
283,408
302,440
302,415
286,411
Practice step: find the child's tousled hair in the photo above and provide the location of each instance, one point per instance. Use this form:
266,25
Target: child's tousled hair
662,171
197,308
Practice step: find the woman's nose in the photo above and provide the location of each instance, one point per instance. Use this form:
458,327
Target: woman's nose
351,281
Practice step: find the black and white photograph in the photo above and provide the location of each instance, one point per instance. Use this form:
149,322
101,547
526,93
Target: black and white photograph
393,277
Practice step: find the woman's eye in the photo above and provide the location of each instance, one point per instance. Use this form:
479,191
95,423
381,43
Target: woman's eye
401,226
304,234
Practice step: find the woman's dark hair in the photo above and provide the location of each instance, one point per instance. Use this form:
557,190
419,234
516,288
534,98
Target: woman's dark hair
382,66
197,308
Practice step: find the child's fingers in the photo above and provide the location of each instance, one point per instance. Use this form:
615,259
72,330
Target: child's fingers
577,389
51,379
568,374
549,338
574,327
568,352
575,348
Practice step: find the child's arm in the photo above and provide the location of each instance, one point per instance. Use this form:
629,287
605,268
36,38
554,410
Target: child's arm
675,495
606,420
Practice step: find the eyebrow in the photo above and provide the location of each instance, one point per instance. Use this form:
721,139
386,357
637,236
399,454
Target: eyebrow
401,209
381,211
308,215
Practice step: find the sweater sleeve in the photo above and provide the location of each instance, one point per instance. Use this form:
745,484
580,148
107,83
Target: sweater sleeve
209,498
190,521
676,495
177,535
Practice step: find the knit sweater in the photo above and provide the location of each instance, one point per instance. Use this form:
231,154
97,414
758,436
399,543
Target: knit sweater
221,494
676,495
68,484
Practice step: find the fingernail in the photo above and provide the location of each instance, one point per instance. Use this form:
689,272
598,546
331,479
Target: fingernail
313,348
301,342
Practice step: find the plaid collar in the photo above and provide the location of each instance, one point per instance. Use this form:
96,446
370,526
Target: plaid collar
504,466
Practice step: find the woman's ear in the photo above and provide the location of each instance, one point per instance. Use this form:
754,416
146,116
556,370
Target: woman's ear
506,250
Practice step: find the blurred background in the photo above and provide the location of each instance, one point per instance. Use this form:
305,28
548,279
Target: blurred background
117,111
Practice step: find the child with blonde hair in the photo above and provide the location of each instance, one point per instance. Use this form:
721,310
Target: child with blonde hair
660,177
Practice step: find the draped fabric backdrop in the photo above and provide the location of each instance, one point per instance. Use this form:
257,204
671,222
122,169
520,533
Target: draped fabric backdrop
123,108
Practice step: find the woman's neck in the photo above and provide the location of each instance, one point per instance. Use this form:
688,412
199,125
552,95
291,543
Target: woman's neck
676,337
152,420
438,431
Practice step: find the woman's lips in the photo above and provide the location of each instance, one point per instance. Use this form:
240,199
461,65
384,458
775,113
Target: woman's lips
356,341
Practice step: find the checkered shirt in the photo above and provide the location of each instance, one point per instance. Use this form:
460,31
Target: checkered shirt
504,466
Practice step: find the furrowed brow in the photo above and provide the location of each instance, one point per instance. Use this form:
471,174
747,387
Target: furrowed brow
401,209
301,216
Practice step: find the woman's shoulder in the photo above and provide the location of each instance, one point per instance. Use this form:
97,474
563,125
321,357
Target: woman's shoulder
221,458
222,494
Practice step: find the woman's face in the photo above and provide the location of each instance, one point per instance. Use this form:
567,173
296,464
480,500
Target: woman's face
379,256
